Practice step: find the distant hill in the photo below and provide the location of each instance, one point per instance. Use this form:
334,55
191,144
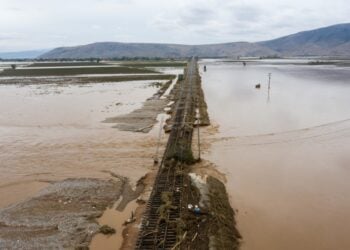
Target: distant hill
30,54
112,49
330,41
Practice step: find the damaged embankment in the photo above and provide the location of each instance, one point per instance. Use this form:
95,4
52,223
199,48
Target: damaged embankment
143,119
172,219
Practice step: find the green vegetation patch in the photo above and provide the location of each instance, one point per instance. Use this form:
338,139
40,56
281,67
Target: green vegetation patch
65,64
75,71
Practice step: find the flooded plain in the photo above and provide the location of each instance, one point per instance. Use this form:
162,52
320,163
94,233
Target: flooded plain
284,152
53,135
51,132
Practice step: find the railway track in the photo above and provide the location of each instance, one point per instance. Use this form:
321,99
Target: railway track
160,225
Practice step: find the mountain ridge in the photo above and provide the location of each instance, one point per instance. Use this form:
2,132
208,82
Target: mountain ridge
322,42
327,41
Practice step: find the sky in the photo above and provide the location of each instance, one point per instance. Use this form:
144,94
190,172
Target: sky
43,24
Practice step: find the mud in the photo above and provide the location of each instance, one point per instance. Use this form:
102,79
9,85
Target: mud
60,216
144,118
118,216
131,231
74,214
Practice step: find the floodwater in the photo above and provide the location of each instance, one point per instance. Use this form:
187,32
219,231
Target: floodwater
51,132
284,153
115,219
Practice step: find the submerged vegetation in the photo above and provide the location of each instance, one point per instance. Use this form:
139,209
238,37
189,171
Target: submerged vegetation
74,71
64,64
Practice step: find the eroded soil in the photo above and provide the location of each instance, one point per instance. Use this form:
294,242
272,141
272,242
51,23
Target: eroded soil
60,216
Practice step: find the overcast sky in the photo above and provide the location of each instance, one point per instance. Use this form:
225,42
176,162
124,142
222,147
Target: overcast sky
38,24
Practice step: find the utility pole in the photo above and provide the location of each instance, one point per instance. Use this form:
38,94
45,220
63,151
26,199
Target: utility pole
269,87
199,142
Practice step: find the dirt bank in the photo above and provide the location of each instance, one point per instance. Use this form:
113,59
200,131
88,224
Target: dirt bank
60,216
75,213
215,226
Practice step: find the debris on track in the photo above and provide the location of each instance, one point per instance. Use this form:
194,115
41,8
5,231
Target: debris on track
181,213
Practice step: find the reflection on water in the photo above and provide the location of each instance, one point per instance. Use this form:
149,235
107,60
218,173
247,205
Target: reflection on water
300,97
286,161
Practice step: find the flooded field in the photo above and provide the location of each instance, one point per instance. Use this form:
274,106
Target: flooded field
59,156
51,132
284,153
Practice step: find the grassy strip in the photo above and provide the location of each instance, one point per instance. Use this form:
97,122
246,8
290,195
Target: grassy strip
155,64
65,64
74,71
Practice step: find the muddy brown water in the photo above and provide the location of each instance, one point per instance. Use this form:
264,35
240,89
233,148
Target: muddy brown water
115,219
51,132
286,159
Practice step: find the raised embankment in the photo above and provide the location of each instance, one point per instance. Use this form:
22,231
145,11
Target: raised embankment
170,222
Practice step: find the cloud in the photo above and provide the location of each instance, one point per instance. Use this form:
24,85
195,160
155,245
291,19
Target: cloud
43,23
196,16
96,27
9,36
